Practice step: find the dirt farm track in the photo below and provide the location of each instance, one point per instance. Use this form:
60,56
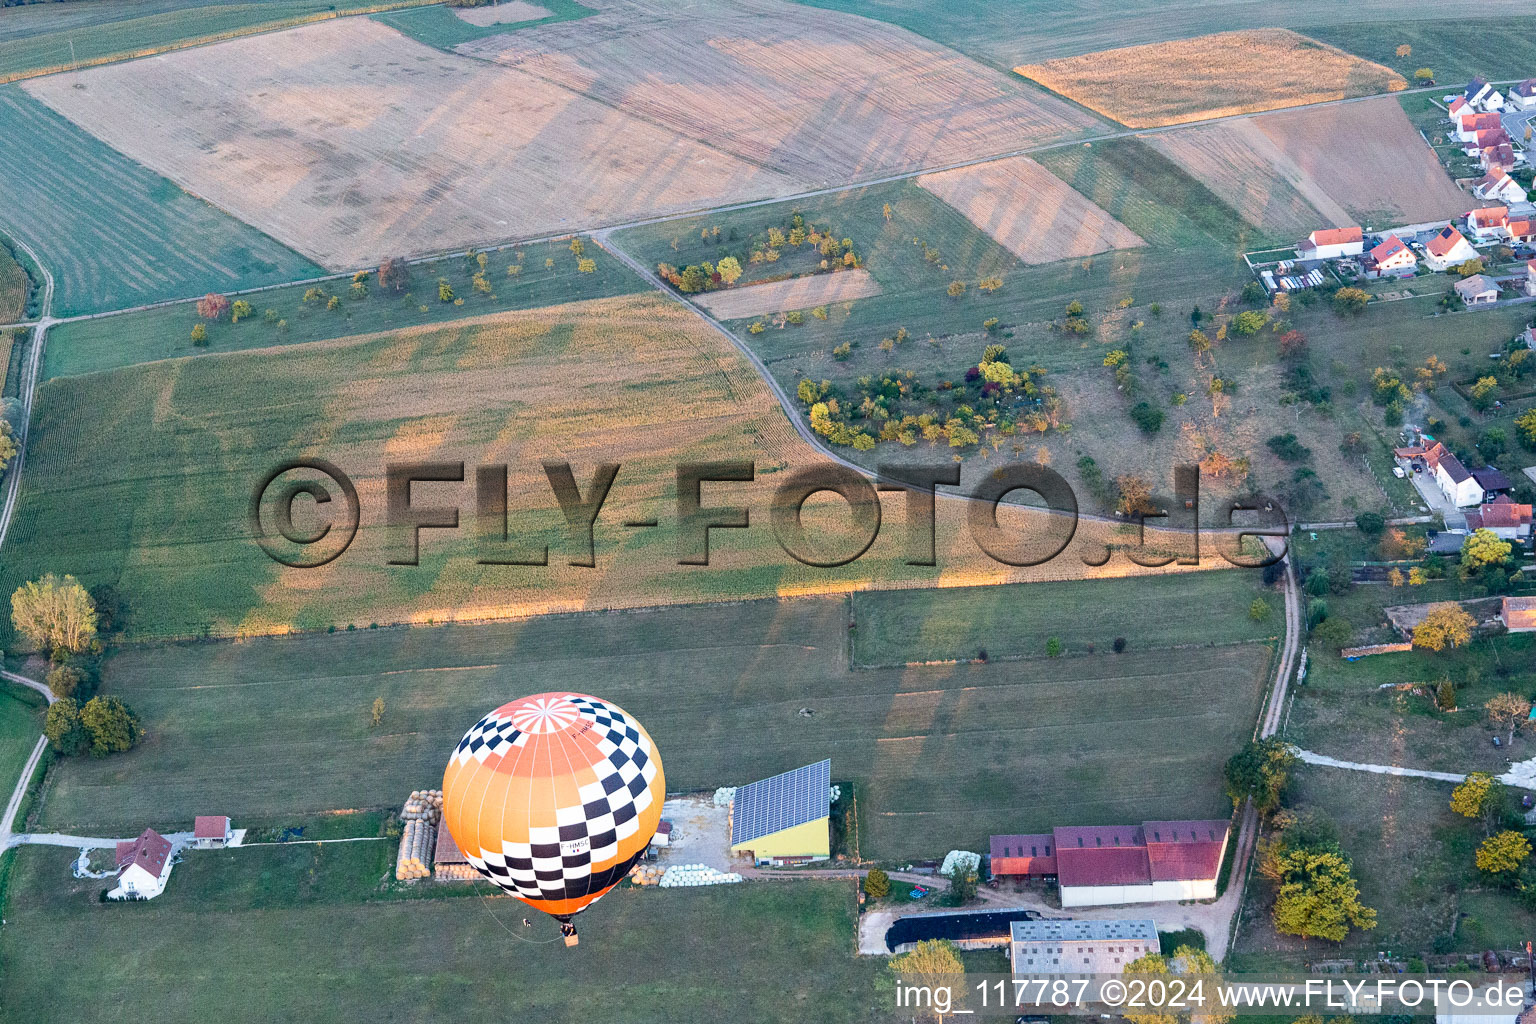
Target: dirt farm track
349,141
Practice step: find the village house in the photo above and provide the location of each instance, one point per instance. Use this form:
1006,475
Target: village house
1489,224
1331,243
143,865
1154,862
1447,249
1450,476
211,831
1518,614
1079,947
1510,521
1497,158
1477,290
1530,283
1485,138
1522,231
1483,96
1469,122
1390,258
1499,187
1523,96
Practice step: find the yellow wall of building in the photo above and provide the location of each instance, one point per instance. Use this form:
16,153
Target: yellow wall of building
813,839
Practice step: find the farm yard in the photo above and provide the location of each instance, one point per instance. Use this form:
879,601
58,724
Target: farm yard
819,96
113,233
948,750
314,136
521,277
1031,212
1224,74
341,951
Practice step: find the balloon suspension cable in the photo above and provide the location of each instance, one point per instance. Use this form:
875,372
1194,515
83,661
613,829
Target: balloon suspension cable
485,905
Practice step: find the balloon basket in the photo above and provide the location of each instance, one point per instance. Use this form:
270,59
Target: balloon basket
572,940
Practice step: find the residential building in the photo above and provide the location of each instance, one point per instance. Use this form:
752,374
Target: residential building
1497,158
211,831
1518,614
1331,243
143,865
1447,249
1469,122
1530,284
1477,290
1523,96
1489,224
1079,947
1522,231
1499,187
1485,138
1476,92
1103,865
785,819
1492,480
1451,478
1502,515
1390,258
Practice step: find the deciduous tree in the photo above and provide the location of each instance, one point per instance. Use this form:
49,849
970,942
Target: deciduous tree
1484,547
54,613
1503,853
1507,711
63,728
1319,897
112,726
1446,624
212,306
1260,772
877,884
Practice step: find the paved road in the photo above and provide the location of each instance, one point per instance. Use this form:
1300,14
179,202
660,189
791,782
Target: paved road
31,684
14,804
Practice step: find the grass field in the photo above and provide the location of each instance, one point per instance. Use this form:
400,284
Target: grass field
39,38
21,721
164,332
1186,609
1455,50
113,233
1226,73
333,948
1413,859
941,755
445,28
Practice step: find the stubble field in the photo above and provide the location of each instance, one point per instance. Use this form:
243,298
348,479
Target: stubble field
351,142
1031,212
1211,76
795,293
822,96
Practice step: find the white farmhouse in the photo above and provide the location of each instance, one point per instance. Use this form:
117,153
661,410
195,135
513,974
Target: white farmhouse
1447,249
1483,96
1523,96
143,865
1331,243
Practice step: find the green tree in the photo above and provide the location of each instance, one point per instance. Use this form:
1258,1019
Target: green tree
112,726
240,310
63,728
376,713
877,884
199,334
54,614
1372,524
729,269
1260,771
1350,300
8,447
1503,853
444,290
1053,647
932,962
1249,322
1318,896
1334,631
1150,966
1424,75
64,680
1525,428
1258,611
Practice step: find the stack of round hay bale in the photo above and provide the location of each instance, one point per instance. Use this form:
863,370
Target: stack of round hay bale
647,874
415,850
423,805
696,874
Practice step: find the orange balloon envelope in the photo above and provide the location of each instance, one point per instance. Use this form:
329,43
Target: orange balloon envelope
554,797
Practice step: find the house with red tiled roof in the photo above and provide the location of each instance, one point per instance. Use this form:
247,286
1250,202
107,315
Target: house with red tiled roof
1485,138
1523,230
1470,122
1102,865
1489,224
1447,249
1390,258
143,865
1499,187
1518,614
1331,243
1455,481
1504,516
1497,158
211,831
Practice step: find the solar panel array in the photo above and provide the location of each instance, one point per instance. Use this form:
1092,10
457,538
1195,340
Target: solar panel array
784,801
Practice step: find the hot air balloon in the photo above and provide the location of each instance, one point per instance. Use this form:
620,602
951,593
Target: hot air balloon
554,797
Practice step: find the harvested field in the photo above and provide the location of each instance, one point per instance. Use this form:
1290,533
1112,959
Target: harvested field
1211,76
1241,164
1031,212
816,94
351,142
1369,158
795,293
502,14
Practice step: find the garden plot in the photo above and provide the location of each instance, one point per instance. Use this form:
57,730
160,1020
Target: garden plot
817,94
1031,212
795,293
351,142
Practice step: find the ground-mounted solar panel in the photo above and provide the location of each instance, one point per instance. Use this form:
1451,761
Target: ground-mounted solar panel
783,801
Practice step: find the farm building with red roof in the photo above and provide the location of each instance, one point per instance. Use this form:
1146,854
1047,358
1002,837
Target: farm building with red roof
1104,865
143,865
